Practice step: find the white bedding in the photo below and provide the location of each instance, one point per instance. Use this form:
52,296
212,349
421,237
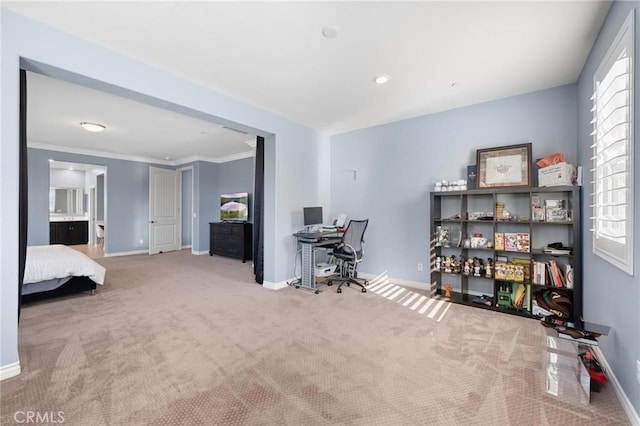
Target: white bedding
58,261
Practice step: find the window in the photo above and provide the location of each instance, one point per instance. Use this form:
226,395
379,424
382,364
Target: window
613,152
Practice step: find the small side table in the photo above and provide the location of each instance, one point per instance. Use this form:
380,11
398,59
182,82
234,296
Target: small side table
566,375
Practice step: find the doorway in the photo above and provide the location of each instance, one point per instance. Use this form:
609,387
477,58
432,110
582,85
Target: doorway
77,193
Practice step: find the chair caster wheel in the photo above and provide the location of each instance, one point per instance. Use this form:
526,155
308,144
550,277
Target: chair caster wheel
339,290
329,283
364,290
297,286
317,292
348,284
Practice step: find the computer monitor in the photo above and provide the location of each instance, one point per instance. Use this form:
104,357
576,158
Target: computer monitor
312,215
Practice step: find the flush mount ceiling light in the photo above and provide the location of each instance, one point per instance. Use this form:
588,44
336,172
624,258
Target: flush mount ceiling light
92,127
381,79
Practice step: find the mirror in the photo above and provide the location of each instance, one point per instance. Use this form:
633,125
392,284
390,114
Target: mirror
65,201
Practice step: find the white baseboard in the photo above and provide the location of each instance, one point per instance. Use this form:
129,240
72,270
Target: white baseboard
631,413
10,370
126,253
199,253
275,286
186,247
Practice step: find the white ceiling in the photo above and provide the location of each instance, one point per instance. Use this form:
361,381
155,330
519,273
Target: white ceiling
273,55
134,130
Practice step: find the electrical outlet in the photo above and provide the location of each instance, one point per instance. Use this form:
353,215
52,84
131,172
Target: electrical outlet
420,268
638,370
141,241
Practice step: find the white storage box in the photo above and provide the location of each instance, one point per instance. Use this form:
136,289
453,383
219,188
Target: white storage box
557,175
324,269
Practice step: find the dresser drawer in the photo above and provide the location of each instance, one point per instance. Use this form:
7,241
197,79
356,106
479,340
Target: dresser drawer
231,240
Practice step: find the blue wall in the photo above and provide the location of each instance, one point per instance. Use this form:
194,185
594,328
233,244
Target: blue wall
237,176
211,180
397,164
43,49
187,206
127,197
126,201
611,296
100,196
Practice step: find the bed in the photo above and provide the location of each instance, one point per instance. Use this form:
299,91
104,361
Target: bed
56,270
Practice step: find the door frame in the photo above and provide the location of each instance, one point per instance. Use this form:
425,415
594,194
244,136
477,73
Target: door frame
193,211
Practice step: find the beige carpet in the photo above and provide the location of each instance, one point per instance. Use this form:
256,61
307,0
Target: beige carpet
176,339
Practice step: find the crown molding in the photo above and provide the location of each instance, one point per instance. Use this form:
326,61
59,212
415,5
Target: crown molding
96,153
104,154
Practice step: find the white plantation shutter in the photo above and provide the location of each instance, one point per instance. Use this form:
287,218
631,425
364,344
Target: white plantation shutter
613,152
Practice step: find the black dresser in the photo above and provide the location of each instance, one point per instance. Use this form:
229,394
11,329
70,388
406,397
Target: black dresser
231,239
69,232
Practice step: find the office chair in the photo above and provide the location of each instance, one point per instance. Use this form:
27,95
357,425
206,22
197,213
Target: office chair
349,253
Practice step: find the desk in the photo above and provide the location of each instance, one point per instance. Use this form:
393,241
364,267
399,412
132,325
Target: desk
308,243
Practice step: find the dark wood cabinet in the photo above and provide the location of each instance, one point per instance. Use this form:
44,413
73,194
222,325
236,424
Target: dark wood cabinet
231,239
69,233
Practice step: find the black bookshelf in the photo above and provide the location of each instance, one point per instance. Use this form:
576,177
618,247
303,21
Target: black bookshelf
457,211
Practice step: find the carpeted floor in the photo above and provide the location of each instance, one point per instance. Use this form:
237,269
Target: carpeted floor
177,339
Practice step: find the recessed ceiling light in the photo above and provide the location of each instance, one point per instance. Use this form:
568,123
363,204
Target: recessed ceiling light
381,79
167,158
92,127
330,32
455,84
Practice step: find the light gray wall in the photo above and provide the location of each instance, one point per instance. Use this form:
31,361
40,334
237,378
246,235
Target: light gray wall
100,196
611,296
61,178
210,180
128,196
127,199
187,210
207,177
397,164
38,219
237,176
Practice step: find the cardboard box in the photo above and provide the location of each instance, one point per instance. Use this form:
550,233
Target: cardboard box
557,175
510,241
522,242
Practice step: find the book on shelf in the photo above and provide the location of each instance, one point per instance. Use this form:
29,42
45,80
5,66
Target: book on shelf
556,275
541,274
568,274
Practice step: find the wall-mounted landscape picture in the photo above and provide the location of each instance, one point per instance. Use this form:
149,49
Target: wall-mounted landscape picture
234,206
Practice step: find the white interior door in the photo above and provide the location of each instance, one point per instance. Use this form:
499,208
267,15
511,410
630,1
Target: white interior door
165,197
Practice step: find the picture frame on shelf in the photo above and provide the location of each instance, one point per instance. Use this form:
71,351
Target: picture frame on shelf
504,167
